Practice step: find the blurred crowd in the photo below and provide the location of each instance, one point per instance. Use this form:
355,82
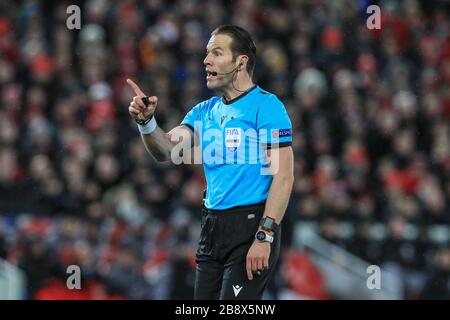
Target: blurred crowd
370,111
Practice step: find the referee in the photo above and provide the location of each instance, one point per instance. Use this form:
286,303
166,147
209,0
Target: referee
244,204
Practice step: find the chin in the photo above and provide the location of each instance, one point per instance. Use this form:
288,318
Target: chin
216,85
211,86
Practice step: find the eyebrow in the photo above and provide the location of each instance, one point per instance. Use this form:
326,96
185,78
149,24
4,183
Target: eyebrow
215,48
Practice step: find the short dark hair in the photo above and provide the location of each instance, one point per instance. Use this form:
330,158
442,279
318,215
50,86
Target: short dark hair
241,43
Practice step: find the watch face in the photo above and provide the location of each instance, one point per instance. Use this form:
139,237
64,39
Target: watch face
260,235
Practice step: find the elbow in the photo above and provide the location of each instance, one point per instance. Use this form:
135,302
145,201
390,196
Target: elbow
290,180
161,156
286,180
159,159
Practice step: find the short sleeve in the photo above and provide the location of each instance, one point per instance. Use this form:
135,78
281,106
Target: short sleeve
193,116
273,124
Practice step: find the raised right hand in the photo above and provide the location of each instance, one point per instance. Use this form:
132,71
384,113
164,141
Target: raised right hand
137,109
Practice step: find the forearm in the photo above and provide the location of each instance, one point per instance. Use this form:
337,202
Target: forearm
158,144
278,199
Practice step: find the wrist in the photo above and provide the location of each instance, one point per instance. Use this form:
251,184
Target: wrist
143,122
270,233
257,242
147,126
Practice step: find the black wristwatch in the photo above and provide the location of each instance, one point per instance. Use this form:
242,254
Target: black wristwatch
268,224
263,236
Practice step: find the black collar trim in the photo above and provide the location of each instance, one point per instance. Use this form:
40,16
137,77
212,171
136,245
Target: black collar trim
224,100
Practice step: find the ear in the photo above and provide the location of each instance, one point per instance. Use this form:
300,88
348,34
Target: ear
241,61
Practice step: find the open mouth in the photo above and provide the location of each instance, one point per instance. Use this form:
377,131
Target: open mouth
210,75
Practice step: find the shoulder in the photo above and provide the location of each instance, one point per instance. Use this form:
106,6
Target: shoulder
271,109
268,100
206,104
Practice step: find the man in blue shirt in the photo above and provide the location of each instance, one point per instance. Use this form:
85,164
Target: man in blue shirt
245,137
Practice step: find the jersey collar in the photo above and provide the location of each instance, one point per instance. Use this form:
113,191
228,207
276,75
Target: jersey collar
225,101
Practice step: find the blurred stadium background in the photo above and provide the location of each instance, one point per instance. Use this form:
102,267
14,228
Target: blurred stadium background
371,117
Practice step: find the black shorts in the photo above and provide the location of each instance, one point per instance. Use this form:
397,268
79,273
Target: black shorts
225,239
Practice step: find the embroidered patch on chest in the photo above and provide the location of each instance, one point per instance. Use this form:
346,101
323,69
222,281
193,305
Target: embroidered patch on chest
232,137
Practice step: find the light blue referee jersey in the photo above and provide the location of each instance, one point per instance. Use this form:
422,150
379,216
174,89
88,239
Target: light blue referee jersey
233,136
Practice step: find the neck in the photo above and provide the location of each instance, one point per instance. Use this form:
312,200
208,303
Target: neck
237,87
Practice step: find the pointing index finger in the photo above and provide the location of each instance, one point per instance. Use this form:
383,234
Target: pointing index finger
135,88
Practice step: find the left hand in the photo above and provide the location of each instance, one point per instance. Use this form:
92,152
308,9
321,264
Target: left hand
257,258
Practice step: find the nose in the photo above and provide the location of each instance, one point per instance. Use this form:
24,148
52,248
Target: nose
206,61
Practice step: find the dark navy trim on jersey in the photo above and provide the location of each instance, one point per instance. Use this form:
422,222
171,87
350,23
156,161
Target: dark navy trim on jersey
279,145
224,100
189,126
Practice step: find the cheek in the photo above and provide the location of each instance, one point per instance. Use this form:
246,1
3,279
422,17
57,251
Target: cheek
221,63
